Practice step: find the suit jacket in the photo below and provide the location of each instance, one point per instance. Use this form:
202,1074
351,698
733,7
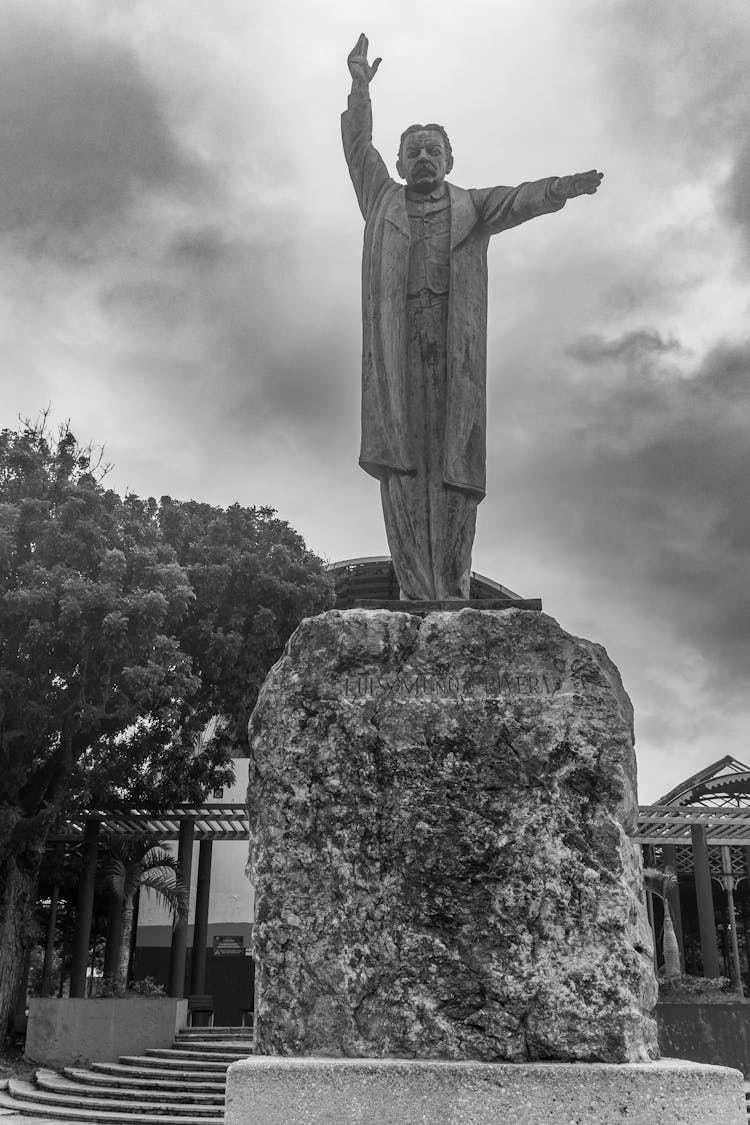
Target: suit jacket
475,216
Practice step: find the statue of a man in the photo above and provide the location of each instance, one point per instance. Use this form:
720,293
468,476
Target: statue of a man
424,323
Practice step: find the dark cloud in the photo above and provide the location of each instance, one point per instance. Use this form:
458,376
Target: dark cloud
82,135
678,82
639,472
201,247
736,195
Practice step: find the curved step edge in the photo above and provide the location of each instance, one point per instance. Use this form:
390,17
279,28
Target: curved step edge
134,1069
81,1086
58,1113
128,1078
190,1065
125,1108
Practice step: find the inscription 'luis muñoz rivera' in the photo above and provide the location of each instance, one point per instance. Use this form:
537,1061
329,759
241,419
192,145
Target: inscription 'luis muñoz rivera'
482,684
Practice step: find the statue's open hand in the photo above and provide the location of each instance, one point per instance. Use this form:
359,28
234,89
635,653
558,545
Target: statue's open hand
359,68
580,183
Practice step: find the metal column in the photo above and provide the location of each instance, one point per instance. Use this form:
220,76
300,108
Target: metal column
84,910
200,926
728,882
705,900
178,955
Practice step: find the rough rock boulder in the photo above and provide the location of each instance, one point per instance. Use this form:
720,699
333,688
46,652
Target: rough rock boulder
438,811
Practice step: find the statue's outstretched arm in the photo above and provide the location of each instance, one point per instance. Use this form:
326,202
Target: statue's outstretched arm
503,207
580,183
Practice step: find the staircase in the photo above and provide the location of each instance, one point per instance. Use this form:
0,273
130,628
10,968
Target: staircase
179,1085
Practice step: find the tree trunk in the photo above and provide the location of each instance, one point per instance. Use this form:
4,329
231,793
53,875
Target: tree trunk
121,973
18,886
670,945
49,948
114,940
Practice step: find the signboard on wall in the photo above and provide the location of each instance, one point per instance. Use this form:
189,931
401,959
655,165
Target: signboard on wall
229,945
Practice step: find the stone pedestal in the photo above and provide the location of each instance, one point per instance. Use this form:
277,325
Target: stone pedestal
283,1091
438,813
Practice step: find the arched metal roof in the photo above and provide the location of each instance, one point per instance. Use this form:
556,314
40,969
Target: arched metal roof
725,782
373,579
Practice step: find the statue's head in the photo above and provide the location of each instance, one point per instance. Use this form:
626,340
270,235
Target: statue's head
425,156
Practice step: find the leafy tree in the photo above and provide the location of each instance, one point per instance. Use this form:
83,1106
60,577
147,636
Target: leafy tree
253,580
91,598
141,864
125,626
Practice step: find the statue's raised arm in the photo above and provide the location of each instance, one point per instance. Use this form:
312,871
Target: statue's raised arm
366,167
359,68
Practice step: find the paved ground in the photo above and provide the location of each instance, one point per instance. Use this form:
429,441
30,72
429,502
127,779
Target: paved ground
8,1117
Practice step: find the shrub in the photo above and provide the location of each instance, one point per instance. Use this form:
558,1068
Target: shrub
146,987
696,990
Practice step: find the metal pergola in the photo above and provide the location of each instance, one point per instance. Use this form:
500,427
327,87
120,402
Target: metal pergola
184,824
657,824
219,821
701,829
673,824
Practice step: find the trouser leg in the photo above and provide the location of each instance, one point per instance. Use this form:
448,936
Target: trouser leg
430,534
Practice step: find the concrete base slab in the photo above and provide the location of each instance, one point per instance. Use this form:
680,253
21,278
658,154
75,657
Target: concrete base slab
272,1090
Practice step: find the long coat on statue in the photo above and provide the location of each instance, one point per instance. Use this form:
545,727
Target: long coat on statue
475,216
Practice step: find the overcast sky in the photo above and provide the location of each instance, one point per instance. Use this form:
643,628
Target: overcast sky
180,267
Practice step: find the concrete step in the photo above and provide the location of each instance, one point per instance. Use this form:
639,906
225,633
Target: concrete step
179,1085
24,1091
38,1108
186,1065
8,1106
138,1067
126,1078
182,1054
56,1083
215,1047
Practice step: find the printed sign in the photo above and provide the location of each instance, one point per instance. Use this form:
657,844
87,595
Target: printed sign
229,945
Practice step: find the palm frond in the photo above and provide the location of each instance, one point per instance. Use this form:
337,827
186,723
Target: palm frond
659,882
115,877
146,863
171,894
157,857
205,737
